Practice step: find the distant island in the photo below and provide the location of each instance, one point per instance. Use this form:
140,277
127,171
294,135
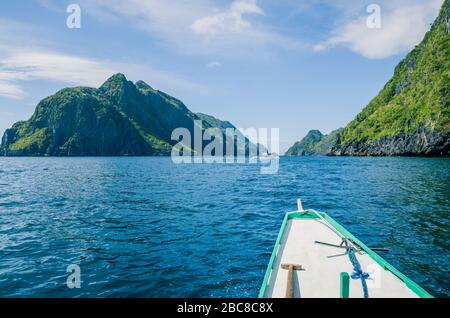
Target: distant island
121,118
409,117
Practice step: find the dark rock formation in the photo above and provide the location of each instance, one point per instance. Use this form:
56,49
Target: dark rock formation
422,142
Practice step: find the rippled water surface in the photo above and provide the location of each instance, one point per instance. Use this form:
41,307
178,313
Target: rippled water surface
144,227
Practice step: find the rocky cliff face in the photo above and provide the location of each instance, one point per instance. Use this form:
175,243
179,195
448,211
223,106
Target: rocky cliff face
421,142
119,118
411,114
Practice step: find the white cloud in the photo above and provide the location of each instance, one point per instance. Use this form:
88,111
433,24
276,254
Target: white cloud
55,66
19,66
11,90
214,64
403,27
193,27
22,59
230,20
74,70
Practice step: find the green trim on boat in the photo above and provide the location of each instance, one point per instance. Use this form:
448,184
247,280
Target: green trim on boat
419,291
273,257
345,285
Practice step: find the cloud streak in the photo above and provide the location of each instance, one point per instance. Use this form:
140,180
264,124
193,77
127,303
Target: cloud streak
194,27
214,64
231,20
22,60
402,28
55,66
10,90
19,67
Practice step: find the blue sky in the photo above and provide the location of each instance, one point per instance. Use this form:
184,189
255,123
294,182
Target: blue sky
290,64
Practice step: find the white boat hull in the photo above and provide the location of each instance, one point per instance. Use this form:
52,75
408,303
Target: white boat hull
323,265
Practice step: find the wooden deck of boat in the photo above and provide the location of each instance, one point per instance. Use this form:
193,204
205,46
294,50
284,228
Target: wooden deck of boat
321,275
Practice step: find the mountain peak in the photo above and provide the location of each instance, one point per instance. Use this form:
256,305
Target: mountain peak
141,85
117,80
315,143
119,118
314,134
117,77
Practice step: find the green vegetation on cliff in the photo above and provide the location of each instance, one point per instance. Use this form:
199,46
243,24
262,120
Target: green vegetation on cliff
411,114
418,93
306,147
119,118
315,143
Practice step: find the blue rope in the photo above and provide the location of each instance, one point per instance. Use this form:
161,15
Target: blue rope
358,272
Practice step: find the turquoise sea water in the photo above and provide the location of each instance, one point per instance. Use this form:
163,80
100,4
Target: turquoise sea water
144,227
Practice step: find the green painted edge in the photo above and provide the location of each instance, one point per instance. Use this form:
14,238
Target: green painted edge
419,291
273,257
378,259
345,285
